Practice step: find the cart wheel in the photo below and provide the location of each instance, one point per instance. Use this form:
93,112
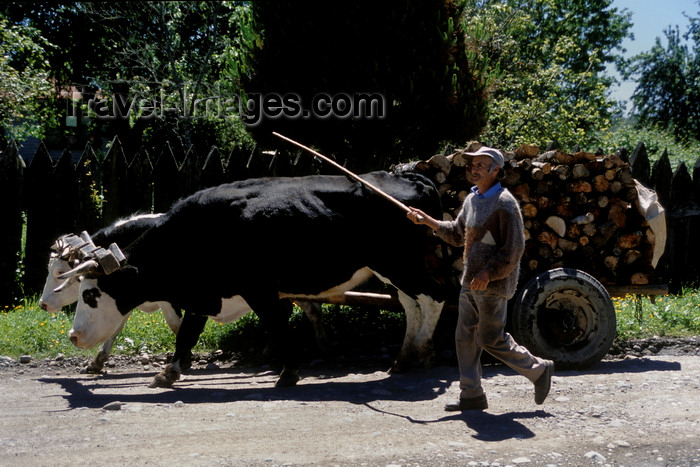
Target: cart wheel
565,315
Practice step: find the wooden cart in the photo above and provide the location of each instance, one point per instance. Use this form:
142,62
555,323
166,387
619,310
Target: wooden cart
563,314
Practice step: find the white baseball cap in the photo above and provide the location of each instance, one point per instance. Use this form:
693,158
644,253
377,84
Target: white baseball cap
494,154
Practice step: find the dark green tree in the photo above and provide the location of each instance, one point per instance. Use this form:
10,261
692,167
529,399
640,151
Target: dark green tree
164,57
78,53
551,55
24,81
667,92
410,53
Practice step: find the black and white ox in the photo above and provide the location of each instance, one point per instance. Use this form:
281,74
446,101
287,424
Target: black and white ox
57,293
250,243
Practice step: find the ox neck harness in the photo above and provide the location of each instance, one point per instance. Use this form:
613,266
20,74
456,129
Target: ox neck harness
77,249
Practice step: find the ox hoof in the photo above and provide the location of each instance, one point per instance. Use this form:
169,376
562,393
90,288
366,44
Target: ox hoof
165,379
160,381
287,379
93,369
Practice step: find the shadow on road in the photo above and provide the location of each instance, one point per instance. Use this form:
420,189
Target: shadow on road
230,385
628,365
487,426
235,384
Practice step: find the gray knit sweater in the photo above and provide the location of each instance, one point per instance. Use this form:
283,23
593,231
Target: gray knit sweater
491,231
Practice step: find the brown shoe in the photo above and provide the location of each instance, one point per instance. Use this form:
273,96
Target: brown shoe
472,403
544,383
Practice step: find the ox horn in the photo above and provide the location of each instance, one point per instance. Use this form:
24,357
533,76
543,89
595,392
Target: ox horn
67,283
82,268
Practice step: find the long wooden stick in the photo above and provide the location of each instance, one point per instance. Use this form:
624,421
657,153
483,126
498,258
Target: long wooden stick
347,172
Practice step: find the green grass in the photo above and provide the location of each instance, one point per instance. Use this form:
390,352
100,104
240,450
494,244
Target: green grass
26,329
668,316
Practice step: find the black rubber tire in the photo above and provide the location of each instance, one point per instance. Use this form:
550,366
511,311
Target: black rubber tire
565,315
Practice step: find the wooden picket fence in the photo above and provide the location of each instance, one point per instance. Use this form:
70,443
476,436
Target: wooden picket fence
46,198
49,198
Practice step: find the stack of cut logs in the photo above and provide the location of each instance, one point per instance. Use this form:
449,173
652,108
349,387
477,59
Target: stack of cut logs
580,211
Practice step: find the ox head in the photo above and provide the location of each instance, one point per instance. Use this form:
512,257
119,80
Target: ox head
97,315
55,296
64,256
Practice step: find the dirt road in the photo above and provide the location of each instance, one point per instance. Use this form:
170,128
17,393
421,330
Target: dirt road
630,411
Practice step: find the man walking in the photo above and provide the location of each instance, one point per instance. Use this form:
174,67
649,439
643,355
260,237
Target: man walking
490,227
